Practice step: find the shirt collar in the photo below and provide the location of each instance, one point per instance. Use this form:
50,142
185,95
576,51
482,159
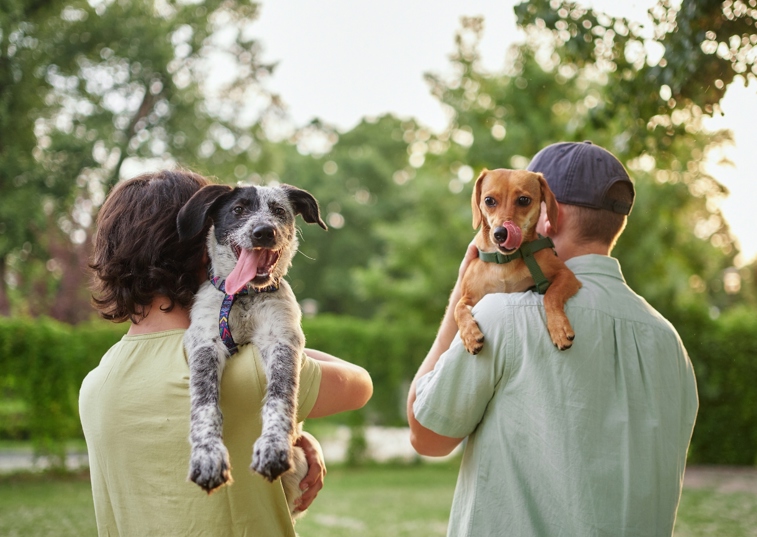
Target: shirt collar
595,264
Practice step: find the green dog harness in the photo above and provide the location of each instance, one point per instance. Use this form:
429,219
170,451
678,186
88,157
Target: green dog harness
525,252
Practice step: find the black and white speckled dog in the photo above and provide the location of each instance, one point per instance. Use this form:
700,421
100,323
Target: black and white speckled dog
251,241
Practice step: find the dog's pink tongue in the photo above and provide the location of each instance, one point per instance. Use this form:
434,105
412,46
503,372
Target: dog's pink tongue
244,271
514,236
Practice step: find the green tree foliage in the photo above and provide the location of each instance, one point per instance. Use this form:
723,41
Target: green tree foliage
93,85
84,86
662,78
360,191
692,49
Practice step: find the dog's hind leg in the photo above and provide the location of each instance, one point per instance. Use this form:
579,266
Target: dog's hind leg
272,452
209,460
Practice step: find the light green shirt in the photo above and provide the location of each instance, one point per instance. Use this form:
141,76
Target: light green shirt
585,442
134,410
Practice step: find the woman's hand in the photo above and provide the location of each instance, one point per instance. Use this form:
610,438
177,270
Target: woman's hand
312,483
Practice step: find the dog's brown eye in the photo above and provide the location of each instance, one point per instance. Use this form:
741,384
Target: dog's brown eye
490,202
279,211
523,201
238,210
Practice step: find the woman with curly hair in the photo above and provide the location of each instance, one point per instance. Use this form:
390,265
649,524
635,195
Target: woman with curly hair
134,406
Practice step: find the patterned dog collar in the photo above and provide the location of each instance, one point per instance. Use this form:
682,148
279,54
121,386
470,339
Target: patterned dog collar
228,301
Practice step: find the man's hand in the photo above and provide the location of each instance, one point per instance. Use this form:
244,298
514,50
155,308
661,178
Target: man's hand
313,481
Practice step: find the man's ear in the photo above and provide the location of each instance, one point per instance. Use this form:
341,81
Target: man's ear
476,200
548,225
549,199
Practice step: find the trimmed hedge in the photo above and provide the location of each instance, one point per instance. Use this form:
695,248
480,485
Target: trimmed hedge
42,364
390,352
724,354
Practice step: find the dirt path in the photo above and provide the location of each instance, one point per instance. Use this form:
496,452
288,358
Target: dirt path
721,478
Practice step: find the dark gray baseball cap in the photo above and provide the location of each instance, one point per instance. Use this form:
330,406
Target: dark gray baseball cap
581,173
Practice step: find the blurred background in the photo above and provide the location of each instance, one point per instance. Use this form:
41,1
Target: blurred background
386,113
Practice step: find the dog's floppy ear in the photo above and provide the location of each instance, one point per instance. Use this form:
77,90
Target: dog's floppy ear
476,200
305,205
193,216
549,199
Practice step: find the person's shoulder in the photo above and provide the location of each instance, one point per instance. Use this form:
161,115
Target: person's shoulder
310,368
496,311
501,301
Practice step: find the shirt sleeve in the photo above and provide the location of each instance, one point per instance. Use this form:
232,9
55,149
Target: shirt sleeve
451,400
310,383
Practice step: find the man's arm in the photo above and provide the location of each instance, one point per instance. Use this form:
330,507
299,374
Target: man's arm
425,441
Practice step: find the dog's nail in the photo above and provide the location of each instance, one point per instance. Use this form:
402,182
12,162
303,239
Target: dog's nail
572,337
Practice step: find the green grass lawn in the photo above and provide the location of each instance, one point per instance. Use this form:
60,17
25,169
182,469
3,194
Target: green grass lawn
391,501
37,506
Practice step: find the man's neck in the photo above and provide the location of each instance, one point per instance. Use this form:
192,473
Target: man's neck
567,248
159,320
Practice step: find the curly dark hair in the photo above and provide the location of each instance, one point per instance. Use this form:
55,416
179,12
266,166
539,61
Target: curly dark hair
137,252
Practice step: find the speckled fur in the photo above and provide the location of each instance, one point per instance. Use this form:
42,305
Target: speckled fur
270,320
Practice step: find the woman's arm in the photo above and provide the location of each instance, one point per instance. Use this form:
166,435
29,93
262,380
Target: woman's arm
344,386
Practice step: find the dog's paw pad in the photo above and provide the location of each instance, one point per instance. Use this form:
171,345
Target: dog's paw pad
209,466
271,457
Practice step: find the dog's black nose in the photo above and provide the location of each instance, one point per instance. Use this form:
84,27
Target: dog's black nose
500,234
264,234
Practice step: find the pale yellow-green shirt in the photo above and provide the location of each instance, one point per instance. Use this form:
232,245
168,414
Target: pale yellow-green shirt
134,410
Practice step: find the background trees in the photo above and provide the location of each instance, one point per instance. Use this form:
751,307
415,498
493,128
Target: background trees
87,86
89,90
92,91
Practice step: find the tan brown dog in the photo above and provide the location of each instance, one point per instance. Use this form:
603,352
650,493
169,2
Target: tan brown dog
507,204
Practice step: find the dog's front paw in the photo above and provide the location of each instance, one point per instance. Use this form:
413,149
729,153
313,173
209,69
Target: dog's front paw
473,339
562,334
209,466
271,456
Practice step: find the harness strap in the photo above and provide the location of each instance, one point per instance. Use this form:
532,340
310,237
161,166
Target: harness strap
228,301
525,252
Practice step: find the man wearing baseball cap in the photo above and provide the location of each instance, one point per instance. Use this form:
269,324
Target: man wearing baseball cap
587,441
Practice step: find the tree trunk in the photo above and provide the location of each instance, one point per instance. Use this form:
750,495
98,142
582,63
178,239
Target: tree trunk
71,303
5,305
